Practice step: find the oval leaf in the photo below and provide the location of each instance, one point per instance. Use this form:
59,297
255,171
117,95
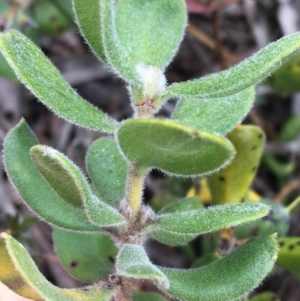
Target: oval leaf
34,189
149,44
44,289
107,169
289,255
248,265
214,218
211,115
133,262
87,257
43,79
148,296
240,77
230,185
87,14
173,148
61,174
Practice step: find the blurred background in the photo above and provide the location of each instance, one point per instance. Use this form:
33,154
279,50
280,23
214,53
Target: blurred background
220,34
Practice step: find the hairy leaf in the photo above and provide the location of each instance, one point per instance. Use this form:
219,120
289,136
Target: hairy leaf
133,262
231,184
46,291
240,77
87,257
61,174
216,115
158,34
43,79
87,15
173,148
107,169
289,255
246,266
34,189
214,218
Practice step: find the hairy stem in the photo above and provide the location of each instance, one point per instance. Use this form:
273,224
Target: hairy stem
135,183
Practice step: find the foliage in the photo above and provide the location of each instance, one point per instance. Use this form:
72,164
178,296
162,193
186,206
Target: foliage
107,215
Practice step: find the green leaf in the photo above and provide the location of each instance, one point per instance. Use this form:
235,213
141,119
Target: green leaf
266,296
290,130
206,259
212,115
148,296
133,262
240,77
6,71
173,148
228,278
231,184
87,257
182,205
277,221
43,79
46,291
34,189
114,52
87,15
202,221
159,32
107,169
61,174
289,255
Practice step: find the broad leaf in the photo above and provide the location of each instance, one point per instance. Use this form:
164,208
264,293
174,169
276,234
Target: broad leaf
107,169
173,148
31,276
34,189
202,221
289,255
206,259
248,265
217,115
182,205
158,34
231,184
61,174
87,257
133,262
87,15
240,77
277,221
148,296
43,79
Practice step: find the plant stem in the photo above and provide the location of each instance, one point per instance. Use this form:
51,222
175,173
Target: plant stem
293,205
135,183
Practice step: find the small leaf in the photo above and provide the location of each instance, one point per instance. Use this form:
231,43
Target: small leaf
61,174
231,184
34,189
107,169
102,214
240,77
173,148
46,291
87,15
278,220
266,296
248,265
148,296
114,52
211,115
291,129
87,257
206,259
133,262
289,255
43,79
149,44
182,205
214,218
